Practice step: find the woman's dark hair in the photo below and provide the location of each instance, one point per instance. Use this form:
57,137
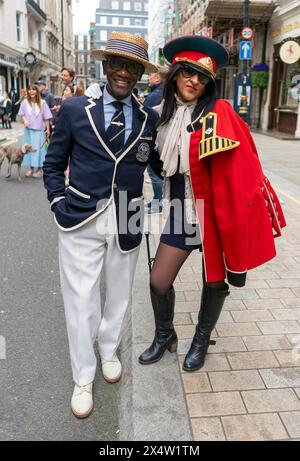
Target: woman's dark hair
207,100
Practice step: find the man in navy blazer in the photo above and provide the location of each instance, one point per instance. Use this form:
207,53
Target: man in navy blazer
108,142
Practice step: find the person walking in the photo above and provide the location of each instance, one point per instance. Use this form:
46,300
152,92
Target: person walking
46,95
7,111
220,201
36,116
109,142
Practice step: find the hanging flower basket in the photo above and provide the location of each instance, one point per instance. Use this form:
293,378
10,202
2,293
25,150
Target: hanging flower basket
259,76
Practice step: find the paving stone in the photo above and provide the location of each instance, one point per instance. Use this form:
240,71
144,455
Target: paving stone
213,362
189,277
281,377
186,306
243,293
252,360
180,296
193,296
225,317
235,380
237,329
291,303
274,293
284,283
186,286
286,314
257,283
271,400
252,316
234,305
263,303
185,331
266,343
288,275
291,421
207,430
215,404
264,274
254,427
296,291
297,390
196,382
279,327
182,319
290,358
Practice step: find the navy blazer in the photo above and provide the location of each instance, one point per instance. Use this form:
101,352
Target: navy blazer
97,178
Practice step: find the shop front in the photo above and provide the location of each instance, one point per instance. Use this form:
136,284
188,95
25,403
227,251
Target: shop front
285,93
282,111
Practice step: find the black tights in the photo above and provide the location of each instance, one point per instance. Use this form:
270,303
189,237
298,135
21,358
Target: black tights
168,262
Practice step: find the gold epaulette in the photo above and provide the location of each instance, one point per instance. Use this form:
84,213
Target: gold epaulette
211,143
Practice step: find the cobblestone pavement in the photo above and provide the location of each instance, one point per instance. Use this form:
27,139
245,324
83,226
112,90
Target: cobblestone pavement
249,388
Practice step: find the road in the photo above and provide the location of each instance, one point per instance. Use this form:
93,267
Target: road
35,378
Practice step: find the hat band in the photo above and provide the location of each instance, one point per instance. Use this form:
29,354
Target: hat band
127,47
208,68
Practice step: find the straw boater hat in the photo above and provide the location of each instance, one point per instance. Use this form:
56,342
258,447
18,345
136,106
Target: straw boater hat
201,53
127,46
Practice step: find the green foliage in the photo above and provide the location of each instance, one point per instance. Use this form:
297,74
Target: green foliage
259,78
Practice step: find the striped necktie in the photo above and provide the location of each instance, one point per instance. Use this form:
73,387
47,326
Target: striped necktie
116,130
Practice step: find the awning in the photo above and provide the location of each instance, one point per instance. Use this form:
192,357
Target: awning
259,10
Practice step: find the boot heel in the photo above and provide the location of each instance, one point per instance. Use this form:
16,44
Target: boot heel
173,347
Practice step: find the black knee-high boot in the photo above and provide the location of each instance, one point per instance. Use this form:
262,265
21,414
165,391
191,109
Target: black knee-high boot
212,301
165,335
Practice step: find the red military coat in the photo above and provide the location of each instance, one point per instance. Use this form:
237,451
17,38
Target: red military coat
238,211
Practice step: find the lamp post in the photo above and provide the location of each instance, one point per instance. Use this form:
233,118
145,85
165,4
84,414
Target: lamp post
244,100
62,34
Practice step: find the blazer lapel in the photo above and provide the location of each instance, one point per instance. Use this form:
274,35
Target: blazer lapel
95,114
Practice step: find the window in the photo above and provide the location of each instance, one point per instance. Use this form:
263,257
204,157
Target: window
126,21
82,58
40,40
138,22
146,6
115,21
137,6
115,5
126,6
103,20
19,26
103,35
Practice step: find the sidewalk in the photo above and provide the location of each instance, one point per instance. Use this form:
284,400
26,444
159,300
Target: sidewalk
249,388
15,133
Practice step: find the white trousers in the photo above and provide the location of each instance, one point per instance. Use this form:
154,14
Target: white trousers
82,255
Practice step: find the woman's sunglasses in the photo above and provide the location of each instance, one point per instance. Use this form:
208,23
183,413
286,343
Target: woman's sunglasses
116,64
189,72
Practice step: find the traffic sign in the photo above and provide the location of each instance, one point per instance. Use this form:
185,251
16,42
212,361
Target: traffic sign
246,50
247,33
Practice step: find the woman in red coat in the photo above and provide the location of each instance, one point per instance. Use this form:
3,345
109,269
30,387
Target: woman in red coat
217,197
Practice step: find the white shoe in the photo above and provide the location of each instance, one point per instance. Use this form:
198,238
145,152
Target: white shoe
82,401
112,370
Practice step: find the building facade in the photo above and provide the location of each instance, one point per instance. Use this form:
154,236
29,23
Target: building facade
222,20
122,16
85,64
35,27
282,108
160,16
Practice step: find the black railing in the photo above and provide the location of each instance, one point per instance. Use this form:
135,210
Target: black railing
37,9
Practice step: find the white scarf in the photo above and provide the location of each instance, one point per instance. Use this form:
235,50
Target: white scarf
173,139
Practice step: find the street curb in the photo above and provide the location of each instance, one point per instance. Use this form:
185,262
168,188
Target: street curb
152,401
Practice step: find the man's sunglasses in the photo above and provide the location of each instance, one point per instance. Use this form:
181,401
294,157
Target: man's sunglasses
132,67
189,72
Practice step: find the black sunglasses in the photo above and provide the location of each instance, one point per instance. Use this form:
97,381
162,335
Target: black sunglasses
189,72
132,67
